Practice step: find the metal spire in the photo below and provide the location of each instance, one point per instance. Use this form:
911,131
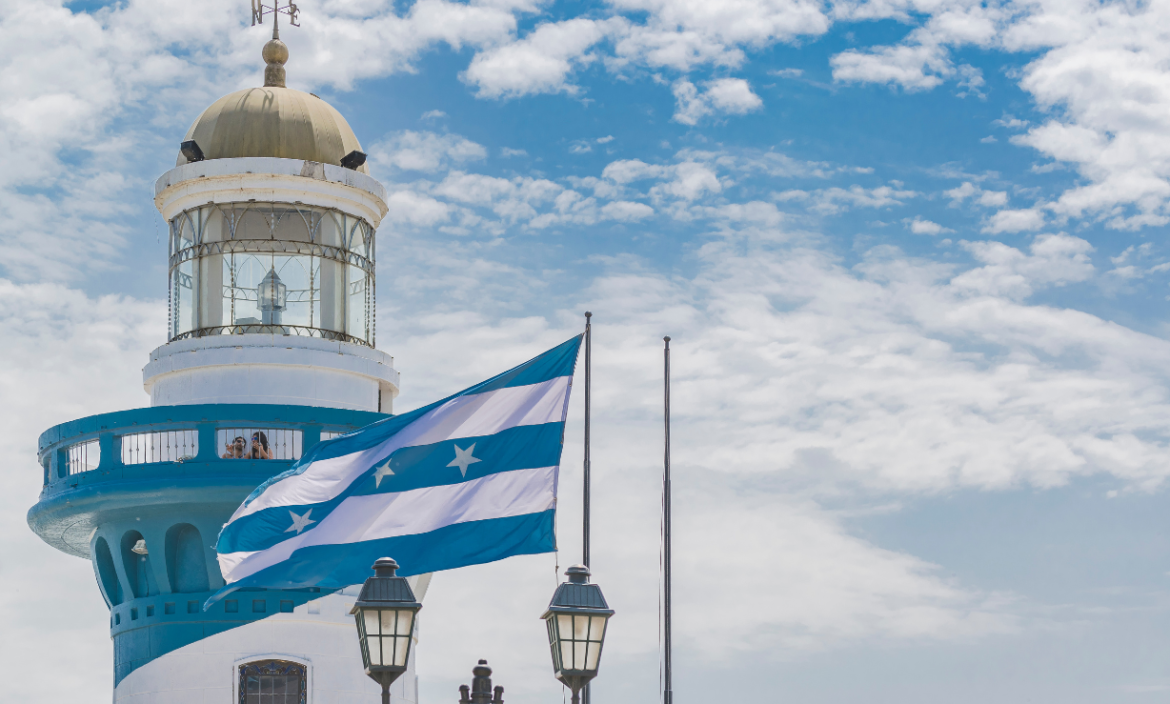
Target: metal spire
275,51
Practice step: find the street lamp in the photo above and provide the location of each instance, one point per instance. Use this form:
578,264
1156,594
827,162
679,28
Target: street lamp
271,296
576,620
384,613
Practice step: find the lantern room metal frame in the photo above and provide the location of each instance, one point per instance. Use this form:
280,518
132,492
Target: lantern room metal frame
385,616
577,618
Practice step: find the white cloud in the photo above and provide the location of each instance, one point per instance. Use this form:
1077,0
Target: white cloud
925,227
912,67
424,151
1025,220
829,201
538,63
990,199
407,206
626,211
433,115
604,140
725,95
1054,260
630,170
682,34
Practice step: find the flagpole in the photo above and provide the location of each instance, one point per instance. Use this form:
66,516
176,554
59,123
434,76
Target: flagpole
588,399
588,404
667,688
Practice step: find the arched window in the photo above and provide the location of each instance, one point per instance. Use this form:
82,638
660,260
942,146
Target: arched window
272,682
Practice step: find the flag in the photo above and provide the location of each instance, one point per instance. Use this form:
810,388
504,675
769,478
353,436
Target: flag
466,480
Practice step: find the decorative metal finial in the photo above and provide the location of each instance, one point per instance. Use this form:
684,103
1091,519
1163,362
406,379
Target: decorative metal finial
275,51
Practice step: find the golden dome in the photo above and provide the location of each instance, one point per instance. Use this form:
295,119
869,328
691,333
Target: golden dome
273,121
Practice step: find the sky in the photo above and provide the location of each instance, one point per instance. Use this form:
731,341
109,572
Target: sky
911,254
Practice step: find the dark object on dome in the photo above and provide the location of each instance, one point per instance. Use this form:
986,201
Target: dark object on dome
353,160
192,151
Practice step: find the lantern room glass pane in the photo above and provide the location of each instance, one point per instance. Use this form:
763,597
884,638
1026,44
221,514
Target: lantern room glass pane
565,626
318,260
183,298
567,654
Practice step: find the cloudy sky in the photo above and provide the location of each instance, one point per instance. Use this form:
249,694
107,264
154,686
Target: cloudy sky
911,253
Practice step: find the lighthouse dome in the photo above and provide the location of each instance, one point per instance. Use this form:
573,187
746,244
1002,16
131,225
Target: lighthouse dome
273,121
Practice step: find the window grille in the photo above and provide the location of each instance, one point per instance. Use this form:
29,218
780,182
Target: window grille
273,682
330,434
282,444
84,457
165,446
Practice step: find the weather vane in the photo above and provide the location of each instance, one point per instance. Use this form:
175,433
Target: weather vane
259,9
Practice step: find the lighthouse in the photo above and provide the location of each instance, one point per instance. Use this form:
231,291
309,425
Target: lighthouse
271,348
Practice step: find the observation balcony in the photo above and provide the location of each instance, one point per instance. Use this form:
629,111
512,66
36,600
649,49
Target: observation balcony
144,463
143,493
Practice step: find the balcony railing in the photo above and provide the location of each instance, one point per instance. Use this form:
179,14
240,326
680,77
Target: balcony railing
110,445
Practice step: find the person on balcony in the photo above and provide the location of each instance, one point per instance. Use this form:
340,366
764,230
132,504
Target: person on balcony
235,450
260,449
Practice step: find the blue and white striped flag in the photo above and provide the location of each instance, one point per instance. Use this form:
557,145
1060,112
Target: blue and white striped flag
467,480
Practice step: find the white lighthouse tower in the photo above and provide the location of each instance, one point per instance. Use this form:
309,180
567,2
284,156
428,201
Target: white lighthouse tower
271,347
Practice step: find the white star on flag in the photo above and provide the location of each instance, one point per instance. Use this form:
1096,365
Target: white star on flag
299,522
464,458
383,472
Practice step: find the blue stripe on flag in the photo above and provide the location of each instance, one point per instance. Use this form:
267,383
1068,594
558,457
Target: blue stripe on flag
415,467
458,545
557,362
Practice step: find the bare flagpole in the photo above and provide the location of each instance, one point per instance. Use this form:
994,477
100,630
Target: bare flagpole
667,688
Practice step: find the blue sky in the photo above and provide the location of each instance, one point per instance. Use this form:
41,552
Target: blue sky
911,253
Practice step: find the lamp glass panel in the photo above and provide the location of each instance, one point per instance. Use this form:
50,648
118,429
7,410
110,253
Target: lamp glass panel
401,650
566,654
375,645
371,618
552,641
578,656
564,626
592,655
580,627
388,618
597,630
404,619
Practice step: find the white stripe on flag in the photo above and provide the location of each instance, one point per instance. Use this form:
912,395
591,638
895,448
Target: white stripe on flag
375,516
472,415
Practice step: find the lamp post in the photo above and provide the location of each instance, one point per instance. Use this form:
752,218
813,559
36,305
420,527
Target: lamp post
384,613
271,297
576,620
